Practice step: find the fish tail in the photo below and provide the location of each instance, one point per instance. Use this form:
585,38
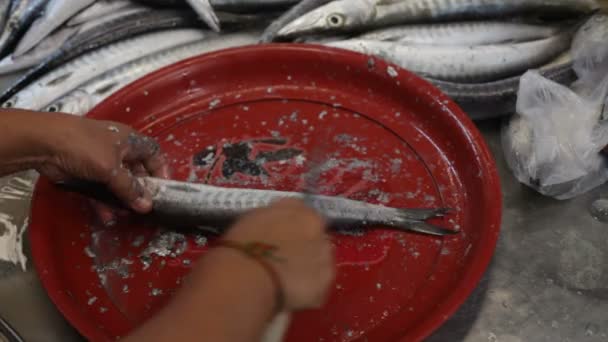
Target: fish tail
422,227
421,214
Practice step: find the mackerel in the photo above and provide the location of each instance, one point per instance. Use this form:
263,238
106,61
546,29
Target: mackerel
75,73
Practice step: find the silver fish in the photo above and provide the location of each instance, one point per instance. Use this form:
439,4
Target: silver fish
490,100
22,14
57,39
463,33
296,11
192,201
206,12
99,9
116,30
85,97
481,63
45,48
348,15
5,6
250,4
56,13
73,74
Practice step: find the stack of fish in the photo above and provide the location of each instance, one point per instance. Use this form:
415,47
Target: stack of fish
75,53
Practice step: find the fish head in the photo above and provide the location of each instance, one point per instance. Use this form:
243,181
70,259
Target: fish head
78,102
339,15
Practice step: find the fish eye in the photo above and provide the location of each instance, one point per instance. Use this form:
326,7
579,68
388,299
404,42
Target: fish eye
8,104
335,20
53,108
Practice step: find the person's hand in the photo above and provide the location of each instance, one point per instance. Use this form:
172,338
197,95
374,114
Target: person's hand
106,152
305,258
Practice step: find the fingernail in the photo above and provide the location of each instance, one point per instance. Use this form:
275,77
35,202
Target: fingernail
142,204
109,223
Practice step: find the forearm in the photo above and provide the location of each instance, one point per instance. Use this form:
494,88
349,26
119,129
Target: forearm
22,140
227,298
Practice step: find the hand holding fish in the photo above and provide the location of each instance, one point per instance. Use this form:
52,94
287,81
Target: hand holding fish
63,147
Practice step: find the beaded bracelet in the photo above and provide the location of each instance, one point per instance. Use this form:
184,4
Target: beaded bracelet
261,252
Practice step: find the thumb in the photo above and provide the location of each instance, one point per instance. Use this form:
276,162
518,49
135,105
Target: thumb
130,191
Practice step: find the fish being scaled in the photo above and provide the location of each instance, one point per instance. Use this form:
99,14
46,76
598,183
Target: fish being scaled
355,15
22,14
186,201
55,13
463,33
482,63
203,204
76,72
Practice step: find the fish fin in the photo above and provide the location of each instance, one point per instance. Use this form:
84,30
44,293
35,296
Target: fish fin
205,11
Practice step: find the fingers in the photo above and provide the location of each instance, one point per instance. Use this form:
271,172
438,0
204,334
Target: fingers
146,151
325,272
131,191
104,213
303,214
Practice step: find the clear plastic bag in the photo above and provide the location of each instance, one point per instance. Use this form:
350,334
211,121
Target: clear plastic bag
553,143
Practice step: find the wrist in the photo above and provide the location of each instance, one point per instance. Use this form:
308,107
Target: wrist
26,139
240,275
